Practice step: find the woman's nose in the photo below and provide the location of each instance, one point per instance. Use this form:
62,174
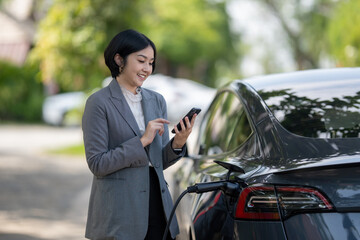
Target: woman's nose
147,68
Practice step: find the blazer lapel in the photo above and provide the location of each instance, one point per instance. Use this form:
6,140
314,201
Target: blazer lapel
122,106
148,106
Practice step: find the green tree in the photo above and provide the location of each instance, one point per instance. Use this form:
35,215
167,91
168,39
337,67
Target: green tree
193,37
72,38
344,34
21,93
304,24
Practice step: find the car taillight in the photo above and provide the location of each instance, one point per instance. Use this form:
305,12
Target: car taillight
264,202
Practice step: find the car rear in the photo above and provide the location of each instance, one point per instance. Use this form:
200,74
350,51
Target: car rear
313,190
311,203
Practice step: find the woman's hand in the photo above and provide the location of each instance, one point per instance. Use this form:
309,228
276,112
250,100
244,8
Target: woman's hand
152,128
181,136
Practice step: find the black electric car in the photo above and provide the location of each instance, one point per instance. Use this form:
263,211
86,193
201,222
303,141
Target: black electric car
294,142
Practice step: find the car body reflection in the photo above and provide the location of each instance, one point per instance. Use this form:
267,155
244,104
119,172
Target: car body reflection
297,137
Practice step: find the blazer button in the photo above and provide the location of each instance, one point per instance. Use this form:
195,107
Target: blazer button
163,190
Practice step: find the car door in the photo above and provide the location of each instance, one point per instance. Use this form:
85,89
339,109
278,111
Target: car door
225,127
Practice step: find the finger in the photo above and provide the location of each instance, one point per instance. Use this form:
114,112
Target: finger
162,120
162,130
187,121
154,127
176,129
182,124
193,119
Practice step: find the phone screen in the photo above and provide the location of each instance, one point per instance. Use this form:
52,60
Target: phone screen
190,114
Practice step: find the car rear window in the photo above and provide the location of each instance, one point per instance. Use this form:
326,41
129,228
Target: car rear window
325,109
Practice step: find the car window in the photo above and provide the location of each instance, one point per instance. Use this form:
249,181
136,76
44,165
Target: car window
241,132
318,113
225,125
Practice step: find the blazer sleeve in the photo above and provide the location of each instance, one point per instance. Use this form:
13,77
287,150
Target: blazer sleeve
169,156
102,160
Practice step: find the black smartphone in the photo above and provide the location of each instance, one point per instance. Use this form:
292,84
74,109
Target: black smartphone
190,114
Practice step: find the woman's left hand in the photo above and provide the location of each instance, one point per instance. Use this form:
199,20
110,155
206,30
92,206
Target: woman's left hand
182,135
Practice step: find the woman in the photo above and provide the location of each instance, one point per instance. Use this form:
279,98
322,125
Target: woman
127,147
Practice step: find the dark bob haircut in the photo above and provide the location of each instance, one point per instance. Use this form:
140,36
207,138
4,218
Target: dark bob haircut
125,43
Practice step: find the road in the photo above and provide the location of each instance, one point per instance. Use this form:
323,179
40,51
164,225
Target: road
43,196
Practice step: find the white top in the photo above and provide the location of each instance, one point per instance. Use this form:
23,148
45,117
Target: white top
134,101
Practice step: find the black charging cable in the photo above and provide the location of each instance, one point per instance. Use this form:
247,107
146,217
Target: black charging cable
173,212
229,188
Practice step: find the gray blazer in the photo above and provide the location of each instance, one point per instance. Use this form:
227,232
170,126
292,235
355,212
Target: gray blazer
119,200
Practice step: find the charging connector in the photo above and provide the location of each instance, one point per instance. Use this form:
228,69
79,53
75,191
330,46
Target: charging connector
229,188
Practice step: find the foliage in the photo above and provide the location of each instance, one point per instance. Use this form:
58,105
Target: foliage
344,34
21,94
73,150
192,36
72,38
74,34
304,24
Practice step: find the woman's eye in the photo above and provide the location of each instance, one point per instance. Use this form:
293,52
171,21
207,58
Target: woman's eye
141,61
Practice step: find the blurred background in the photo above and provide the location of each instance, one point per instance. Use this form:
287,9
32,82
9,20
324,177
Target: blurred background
51,60
49,47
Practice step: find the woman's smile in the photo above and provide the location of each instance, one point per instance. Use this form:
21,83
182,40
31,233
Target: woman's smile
137,68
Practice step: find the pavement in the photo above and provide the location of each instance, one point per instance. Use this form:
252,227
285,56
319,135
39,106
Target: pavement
43,196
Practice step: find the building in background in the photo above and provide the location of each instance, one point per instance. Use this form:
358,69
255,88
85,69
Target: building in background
18,21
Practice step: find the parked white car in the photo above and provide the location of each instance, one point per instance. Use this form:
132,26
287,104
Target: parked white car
180,94
57,109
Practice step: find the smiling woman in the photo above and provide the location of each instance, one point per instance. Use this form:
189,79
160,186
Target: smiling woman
140,66
123,45
127,147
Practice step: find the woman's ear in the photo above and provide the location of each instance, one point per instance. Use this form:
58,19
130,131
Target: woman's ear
119,60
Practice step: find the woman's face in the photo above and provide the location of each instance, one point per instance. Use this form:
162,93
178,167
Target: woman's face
138,67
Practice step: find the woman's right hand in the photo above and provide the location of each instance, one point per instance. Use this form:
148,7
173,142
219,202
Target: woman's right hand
152,128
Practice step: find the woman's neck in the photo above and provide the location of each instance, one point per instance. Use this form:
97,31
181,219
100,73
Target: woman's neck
131,89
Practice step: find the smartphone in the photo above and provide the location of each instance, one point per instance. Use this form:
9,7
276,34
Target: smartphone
190,114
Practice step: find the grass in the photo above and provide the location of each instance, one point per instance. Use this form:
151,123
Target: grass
74,150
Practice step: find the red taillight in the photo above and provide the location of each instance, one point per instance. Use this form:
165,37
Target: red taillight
264,202
257,202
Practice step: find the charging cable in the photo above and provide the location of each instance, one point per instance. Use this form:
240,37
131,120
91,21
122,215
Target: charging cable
229,188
